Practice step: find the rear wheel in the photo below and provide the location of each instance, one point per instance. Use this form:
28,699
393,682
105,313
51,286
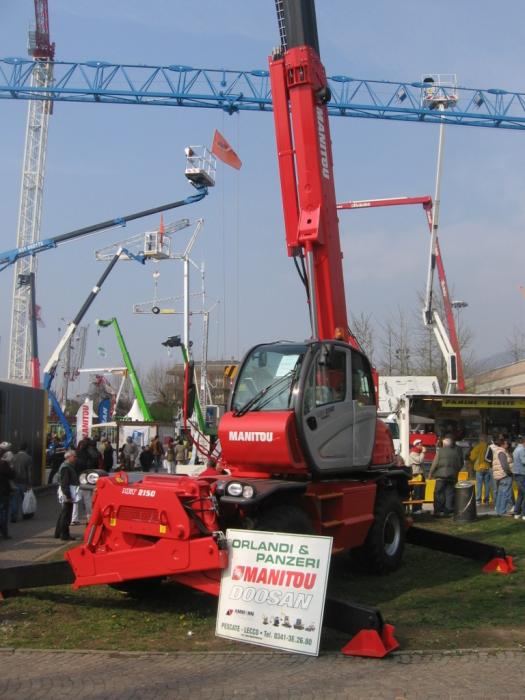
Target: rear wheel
289,519
383,549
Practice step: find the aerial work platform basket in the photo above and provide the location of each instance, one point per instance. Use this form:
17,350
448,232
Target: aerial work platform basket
441,92
200,166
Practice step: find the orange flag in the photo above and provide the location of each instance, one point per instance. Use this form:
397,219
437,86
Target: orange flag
222,149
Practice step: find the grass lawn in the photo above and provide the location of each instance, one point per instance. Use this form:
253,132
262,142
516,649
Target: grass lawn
435,601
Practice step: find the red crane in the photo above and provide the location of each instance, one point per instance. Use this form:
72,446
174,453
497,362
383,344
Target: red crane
40,46
427,203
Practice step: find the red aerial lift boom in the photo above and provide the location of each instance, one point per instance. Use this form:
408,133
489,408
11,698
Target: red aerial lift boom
453,360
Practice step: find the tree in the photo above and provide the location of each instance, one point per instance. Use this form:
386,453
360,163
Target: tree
516,345
395,346
363,330
162,387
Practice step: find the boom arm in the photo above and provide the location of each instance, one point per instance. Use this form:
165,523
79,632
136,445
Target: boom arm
52,363
9,257
450,342
130,367
300,95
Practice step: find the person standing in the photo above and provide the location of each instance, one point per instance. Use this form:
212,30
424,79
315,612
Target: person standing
482,470
23,468
181,454
15,501
518,472
67,481
158,453
146,458
415,462
107,456
445,468
170,457
502,473
7,476
129,452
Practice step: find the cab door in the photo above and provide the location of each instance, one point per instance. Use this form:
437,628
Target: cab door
327,415
365,410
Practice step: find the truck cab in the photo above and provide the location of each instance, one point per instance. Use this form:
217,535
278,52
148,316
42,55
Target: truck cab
311,407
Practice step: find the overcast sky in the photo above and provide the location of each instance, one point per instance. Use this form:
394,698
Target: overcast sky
105,161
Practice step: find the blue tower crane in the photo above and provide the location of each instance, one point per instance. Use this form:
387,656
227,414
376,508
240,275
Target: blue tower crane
237,90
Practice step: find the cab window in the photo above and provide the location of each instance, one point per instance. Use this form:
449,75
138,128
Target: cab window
362,384
326,382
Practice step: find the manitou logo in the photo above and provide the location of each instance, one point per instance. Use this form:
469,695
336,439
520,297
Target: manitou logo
322,143
249,436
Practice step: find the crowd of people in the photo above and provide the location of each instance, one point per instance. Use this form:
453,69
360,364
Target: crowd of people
67,467
498,466
16,477
155,456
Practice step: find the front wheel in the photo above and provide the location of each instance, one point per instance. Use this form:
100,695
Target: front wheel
383,548
289,519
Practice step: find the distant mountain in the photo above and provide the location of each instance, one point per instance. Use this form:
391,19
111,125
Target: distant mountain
499,359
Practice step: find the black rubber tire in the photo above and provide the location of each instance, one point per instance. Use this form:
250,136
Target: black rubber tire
139,587
383,548
289,519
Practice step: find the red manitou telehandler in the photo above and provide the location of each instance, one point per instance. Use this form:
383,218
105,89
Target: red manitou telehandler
301,443
302,448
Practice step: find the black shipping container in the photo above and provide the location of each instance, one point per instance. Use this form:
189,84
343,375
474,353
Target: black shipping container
23,418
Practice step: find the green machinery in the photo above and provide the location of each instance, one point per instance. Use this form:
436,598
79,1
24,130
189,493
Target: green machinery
129,366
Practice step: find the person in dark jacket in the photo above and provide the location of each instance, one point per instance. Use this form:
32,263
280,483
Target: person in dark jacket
107,456
7,476
94,458
445,469
23,467
67,477
146,458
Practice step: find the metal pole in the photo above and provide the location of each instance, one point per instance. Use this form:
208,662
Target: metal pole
427,311
186,302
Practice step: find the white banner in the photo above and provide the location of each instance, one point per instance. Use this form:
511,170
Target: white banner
84,420
273,591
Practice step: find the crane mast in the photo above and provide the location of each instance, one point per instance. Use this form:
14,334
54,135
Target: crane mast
31,195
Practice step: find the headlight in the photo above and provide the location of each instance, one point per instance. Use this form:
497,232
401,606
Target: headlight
92,478
248,491
82,479
234,489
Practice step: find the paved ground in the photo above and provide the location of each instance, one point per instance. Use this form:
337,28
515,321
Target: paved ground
39,675
33,539
89,676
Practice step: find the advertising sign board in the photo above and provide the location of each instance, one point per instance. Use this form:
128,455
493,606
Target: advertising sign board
84,419
273,591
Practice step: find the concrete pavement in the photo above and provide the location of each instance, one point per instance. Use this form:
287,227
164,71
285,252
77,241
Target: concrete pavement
40,675
33,539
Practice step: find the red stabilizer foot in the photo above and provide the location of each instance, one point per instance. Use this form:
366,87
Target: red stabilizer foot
500,565
371,643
